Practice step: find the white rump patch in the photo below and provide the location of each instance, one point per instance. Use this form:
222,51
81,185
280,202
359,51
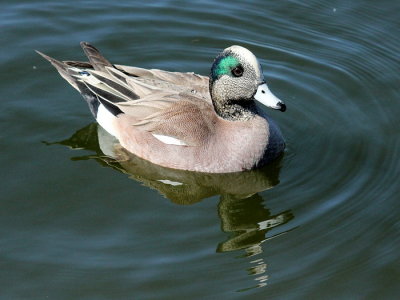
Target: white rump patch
106,119
169,140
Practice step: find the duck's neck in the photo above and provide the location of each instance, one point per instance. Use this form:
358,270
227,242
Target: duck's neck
236,110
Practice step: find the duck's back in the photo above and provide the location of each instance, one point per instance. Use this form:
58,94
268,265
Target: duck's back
170,81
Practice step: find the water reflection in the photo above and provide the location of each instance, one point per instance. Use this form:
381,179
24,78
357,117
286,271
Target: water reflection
248,222
241,209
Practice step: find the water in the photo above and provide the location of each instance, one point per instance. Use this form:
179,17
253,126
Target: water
322,223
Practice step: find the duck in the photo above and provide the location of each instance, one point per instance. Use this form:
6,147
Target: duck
184,121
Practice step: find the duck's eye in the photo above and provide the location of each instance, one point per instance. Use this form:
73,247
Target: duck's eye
237,71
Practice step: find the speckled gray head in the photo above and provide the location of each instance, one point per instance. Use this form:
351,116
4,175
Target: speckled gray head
236,80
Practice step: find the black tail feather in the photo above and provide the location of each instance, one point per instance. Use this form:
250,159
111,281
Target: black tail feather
105,98
116,86
69,75
93,95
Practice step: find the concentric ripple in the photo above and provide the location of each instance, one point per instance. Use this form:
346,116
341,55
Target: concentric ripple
322,224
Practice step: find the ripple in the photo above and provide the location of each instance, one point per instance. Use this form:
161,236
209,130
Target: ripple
335,64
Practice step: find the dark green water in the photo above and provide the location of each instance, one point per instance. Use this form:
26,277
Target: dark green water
322,223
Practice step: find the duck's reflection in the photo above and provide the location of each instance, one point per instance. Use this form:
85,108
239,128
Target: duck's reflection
241,209
248,222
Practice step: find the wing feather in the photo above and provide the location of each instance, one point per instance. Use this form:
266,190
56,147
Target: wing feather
173,81
180,116
116,85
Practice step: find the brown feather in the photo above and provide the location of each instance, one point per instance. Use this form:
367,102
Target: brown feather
98,61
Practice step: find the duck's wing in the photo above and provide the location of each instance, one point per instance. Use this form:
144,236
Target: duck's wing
171,117
164,104
177,81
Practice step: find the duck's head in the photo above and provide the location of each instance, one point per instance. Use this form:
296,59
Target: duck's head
236,80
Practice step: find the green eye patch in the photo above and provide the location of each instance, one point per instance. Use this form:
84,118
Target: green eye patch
224,65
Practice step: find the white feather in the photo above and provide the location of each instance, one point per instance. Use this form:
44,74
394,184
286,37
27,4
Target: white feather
92,80
106,119
169,140
173,183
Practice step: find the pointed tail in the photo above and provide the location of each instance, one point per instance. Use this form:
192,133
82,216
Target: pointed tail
62,68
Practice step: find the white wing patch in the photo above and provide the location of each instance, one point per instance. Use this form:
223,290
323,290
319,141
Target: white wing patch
169,140
173,183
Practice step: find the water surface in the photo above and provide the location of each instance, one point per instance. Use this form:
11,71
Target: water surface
321,223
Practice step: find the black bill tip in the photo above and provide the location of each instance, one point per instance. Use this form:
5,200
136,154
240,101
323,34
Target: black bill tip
282,106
